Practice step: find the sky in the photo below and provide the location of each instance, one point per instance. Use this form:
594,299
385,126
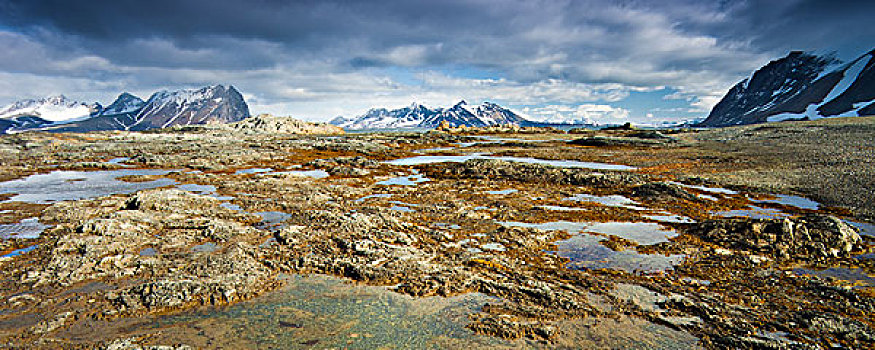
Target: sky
601,61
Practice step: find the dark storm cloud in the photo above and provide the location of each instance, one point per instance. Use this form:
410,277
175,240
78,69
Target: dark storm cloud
340,50
779,26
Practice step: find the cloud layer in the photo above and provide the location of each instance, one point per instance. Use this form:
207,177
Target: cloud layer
319,59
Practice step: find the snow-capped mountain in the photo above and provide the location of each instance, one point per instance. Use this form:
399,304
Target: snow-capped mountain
208,105
211,104
380,118
419,116
51,109
800,85
124,104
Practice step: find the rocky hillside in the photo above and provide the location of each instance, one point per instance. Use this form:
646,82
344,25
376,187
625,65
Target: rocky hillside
211,104
266,123
419,116
800,86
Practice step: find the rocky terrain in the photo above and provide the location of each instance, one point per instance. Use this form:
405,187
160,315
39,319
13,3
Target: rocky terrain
266,123
745,237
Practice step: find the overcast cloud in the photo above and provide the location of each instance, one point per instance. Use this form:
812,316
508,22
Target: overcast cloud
603,60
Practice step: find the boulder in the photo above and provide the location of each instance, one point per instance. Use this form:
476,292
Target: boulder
810,238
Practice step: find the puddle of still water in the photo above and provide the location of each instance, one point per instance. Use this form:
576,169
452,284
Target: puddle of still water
410,180
252,171
25,229
611,201
793,201
313,174
753,212
855,276
586,252
557,163
325,312
75,185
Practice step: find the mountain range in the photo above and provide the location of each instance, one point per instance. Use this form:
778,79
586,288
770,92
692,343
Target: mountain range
419,116
801,85
210,104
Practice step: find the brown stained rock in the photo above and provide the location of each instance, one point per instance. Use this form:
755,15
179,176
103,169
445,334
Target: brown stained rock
661,191
810,238
266,123
497,170
210,280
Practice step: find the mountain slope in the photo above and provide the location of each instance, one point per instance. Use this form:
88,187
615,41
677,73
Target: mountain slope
28,114
800,85
211,104
419,116
208,105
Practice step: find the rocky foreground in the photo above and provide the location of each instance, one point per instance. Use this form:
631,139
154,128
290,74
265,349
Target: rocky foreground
237,209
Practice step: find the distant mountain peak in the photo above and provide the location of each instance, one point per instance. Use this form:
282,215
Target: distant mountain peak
419,116
51,109
165,108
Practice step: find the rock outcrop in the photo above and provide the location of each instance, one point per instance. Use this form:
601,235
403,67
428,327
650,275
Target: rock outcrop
266,123
811,238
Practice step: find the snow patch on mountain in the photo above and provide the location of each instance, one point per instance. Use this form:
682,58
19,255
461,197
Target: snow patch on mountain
800,86
51,109
419,116
211,104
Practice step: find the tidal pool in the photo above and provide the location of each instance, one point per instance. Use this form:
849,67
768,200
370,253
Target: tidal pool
671,218
119,161
410,180
321,312
611,201
402,209
706,189
75,185
863,228
644,233
18,252
855,276
272,220
753,212
253,171
507,191
25,229
314,174
559,208
199,189
460,159
586,252
793,201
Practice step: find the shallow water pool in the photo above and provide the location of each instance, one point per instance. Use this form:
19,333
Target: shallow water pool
460,159
75,185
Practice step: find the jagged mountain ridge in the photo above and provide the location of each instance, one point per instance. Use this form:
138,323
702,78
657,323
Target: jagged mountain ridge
420,116
211,104
800,85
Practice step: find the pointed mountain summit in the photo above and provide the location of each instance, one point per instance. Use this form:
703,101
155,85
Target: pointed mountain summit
800,85
207,105
419,116
124,104
210,104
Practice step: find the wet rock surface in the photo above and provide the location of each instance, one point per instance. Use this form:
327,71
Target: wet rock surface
237,217
809,238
